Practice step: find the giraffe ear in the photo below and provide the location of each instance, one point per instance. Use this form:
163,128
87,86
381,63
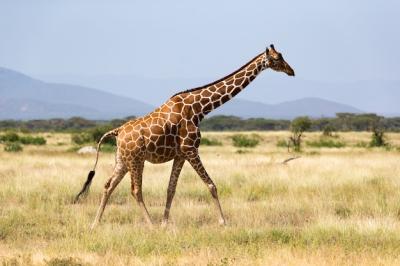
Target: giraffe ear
266,51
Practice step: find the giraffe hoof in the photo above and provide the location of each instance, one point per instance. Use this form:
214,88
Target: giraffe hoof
222,222
92,226
164,224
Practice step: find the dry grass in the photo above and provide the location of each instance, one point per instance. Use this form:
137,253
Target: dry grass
332,206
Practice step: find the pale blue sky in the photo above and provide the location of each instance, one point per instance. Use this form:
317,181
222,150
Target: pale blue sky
323,40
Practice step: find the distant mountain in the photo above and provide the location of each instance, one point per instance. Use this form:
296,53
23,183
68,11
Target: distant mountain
379,96
313,107
22,97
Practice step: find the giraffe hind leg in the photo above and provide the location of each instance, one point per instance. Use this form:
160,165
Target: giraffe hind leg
173,180
116,177
136,170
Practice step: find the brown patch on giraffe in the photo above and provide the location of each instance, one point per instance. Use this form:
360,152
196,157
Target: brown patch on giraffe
195,120
239,81
196,107
204,101
174,118
252,67
212,89
151,147
225,98
240,74
205,93
187,111
235,91
131,145
216,96
219,84
165,109
170,141
229,81
156,129
183,132
197,142
177,108
208,108
189,99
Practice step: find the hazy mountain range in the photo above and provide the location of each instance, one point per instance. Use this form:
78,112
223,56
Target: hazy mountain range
23,97
377,96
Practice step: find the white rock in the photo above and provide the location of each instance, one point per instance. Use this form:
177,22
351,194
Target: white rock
87,150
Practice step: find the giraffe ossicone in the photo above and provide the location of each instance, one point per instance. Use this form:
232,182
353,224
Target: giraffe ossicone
171,132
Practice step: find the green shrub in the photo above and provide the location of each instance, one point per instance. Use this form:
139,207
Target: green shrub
9,137
210,142
326,142
81,138
282,143
328,130
15,138
298,126
93,135
241,140
378,138
12,147
362,144
108,148
32,140
97,132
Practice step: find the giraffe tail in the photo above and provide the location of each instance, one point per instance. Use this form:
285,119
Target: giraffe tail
85,189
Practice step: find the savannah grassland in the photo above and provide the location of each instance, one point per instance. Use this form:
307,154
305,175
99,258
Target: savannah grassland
331,206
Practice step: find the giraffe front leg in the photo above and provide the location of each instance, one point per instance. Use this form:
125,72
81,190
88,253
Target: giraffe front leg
194,160
173,180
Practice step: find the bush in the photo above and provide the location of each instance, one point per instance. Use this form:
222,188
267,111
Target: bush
328,130
326,142
210,142
298,126
81,138
362,144
13,137
93,136
108,148
378,138
97,132
32,140
240,140
282,143
12,147
9,137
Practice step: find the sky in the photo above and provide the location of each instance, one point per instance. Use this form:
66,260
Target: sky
326,41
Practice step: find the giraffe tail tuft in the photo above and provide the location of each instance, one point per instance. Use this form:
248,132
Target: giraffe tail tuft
86,186
85,189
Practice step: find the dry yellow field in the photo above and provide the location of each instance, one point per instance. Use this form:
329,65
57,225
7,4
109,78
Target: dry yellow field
331,206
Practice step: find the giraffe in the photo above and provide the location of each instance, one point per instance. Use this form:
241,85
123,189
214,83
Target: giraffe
171,132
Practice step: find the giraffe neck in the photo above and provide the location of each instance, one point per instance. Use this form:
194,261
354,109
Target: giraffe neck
217,93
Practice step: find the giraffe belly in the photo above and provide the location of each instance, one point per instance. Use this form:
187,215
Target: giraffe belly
161,155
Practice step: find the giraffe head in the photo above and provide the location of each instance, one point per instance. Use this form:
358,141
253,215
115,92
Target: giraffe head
275,61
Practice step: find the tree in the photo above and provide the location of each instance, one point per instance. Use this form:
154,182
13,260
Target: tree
297,127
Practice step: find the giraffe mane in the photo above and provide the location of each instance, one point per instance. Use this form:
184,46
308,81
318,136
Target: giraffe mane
219,80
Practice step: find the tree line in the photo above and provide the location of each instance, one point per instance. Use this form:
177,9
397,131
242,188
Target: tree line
342,122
